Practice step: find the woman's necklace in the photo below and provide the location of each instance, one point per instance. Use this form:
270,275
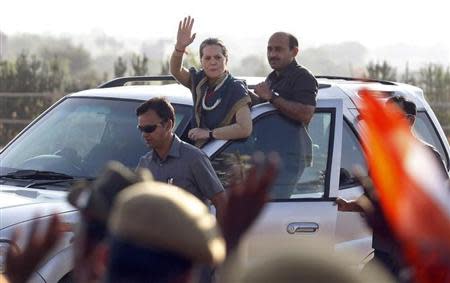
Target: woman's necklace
209,108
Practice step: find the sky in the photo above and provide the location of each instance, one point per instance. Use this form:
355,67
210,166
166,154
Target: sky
315,22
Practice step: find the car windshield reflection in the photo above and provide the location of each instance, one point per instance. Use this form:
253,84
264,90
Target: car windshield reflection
79,136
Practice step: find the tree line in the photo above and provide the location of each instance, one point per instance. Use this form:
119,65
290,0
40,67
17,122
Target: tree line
433,79
71,70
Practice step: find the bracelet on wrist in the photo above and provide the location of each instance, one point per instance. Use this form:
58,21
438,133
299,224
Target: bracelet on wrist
179,50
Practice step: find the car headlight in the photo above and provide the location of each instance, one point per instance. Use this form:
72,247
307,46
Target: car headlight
4,246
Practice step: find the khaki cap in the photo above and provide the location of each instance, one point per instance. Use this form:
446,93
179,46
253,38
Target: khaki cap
162,216
96,198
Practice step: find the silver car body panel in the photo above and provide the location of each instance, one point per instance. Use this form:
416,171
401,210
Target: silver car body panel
19,206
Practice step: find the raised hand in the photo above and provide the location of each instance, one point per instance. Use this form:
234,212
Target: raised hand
184,35
247,198
21,264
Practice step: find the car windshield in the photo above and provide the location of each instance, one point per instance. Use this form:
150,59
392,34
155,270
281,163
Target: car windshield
424,129
79,135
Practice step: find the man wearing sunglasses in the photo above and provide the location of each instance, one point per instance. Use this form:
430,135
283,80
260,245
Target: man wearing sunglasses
173,161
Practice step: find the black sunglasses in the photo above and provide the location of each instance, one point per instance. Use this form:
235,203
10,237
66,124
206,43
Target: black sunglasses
148,128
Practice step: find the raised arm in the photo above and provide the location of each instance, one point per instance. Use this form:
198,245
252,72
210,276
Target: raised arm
184,38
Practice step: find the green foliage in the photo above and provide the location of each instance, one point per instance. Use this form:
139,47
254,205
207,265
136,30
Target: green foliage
55,65
26,72
94,51
77,58
139,65
381,71
189,60
7,75
37,76
17,111
30,74
120,67
408,77
433,79
53,74
24,107
89,79
7,132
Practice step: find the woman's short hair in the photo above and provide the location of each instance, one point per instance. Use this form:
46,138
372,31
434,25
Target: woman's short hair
214,41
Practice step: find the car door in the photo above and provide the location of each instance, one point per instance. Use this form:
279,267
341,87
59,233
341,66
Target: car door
302,202
352,233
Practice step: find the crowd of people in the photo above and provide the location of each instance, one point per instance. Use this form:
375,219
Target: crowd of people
154,224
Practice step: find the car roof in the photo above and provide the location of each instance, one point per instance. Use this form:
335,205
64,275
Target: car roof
174,92
330,87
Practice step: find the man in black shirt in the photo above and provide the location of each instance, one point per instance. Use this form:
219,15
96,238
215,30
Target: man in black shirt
291,89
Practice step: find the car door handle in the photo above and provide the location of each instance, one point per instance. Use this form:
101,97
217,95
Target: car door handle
302,227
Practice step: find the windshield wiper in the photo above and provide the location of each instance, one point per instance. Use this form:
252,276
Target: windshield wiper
36,175
51,182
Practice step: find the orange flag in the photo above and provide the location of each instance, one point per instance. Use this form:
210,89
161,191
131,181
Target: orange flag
413,196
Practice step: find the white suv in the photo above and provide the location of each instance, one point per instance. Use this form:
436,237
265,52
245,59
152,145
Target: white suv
81,132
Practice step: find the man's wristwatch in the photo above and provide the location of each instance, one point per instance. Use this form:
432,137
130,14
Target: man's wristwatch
211,134
274,95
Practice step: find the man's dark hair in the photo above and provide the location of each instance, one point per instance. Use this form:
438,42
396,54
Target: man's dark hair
160,105
132,264
407,106
213,41
410,108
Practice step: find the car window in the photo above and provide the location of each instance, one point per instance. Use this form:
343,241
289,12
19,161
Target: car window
352,156
352,153
304,164
79,136
423,129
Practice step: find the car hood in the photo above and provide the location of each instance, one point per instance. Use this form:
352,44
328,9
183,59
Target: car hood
18,204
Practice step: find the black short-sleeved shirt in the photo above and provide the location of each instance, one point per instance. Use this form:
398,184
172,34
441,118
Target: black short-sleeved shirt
186,167
294,83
